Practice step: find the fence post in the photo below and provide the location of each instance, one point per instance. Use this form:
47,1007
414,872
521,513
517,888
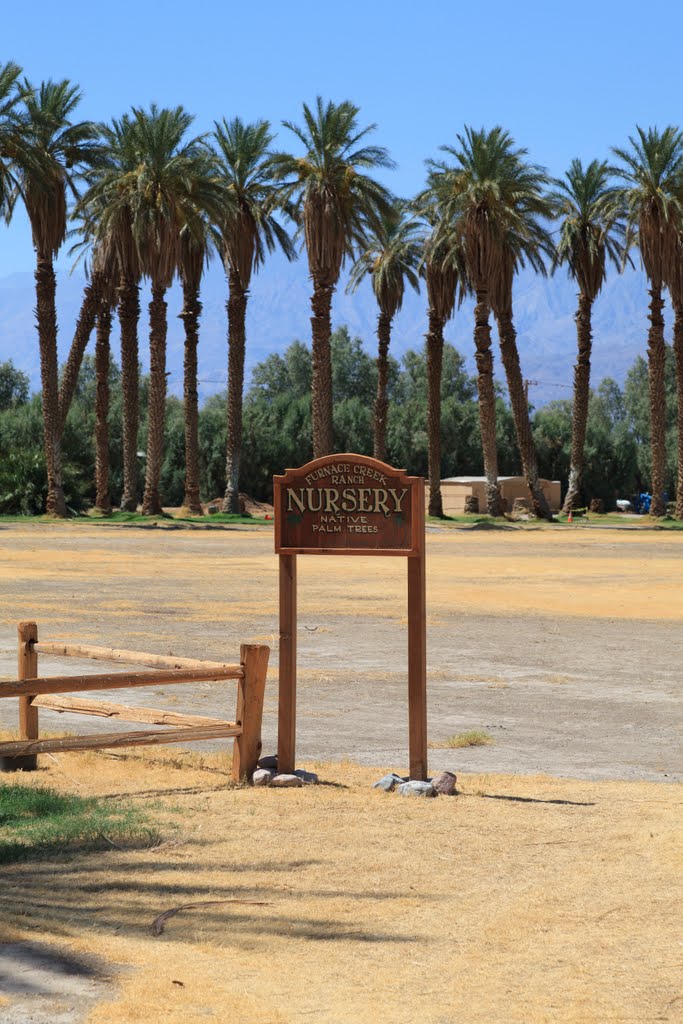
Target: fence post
27,668
250,694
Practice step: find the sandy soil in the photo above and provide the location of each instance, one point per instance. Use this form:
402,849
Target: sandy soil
523,900
564,646
527,899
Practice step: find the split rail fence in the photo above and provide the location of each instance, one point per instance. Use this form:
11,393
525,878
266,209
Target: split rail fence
46,692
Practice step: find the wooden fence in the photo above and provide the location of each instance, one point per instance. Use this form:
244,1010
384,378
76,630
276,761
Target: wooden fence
35,692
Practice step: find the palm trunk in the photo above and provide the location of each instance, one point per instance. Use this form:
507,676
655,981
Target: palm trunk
156,413
321,383
129,314
237,312
102,495
46,319
678,354
487,402
192,309
520,411
381,402
656,353
582,376
84,328
434,364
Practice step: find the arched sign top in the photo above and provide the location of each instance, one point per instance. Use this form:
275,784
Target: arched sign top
348,504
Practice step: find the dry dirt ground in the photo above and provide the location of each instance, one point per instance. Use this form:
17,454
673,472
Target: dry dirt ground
528,898
564,646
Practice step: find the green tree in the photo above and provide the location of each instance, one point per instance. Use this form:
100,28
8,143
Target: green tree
408,440
247,229
54,150
14,386
652,172
390,258
335,203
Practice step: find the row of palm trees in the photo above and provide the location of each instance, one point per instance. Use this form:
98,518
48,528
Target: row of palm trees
151,202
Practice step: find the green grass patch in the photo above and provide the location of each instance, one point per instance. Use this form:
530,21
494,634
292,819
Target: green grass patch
39,821
469,517
619,519
472,738
164,521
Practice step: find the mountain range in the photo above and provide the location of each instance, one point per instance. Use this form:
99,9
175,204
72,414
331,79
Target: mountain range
279,312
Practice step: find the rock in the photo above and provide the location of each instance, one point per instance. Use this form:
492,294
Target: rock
444,783
308,778
388,783
262,777
286,782
471,504
416,788
597,506
269,762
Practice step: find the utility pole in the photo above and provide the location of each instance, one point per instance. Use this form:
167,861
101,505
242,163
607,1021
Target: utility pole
533,383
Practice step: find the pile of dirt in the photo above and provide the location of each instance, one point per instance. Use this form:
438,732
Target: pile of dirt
248,506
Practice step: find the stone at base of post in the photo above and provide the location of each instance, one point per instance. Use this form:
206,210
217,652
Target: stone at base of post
22,763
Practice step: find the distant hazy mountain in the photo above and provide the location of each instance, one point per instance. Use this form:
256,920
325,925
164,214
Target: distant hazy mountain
279,311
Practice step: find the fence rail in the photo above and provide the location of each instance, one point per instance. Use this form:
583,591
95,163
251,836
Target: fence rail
36,692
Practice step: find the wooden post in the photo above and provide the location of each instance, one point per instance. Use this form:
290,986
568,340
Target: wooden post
417,667
27,668
250,693
286,747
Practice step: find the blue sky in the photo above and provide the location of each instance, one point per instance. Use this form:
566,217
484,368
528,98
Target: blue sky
566,80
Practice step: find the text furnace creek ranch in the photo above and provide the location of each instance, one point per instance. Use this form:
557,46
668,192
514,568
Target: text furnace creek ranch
342,502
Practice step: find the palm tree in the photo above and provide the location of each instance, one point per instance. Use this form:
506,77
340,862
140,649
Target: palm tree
54,149
472,194
335,204
246,230
391,256
106,211
163,195
10,134
652,172
592,231
442,276
675,285
99,300
102,365
193,258
515,210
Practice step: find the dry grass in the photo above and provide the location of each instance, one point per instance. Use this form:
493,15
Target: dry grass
540,572
471,738
521,900
525,900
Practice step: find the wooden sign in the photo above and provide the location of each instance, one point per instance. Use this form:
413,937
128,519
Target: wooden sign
351,505
347,504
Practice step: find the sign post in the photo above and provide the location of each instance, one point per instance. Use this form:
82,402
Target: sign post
351,505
